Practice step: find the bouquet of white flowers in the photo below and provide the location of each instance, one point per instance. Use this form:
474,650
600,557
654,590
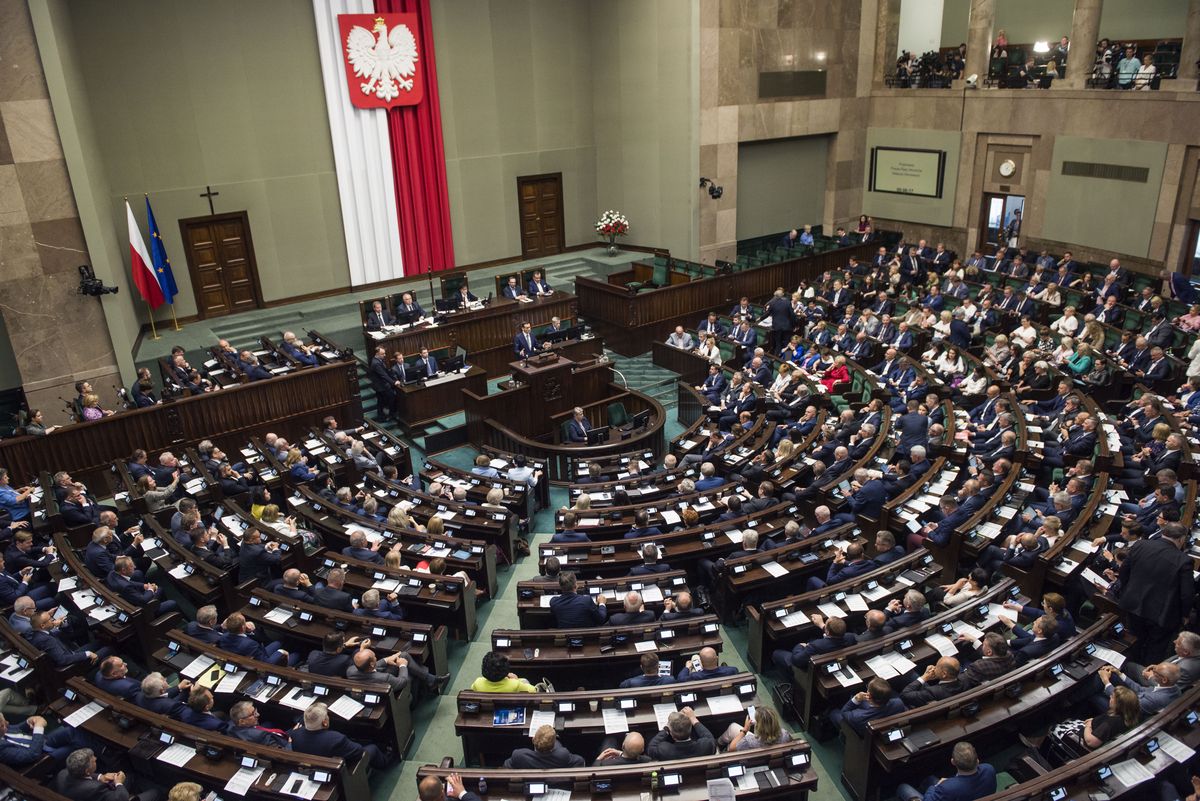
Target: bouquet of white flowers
612,223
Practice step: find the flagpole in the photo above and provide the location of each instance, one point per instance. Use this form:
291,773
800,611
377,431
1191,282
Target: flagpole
153,331
173,320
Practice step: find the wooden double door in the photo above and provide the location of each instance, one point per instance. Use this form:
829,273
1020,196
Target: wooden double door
220,257
540,205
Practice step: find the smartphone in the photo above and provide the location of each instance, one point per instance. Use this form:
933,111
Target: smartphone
750,712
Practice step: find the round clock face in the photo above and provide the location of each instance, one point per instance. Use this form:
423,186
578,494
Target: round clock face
1008,167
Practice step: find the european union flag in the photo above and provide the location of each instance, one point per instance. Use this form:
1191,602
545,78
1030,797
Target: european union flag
158,255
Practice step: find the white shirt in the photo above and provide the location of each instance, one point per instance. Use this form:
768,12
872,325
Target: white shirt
1066,326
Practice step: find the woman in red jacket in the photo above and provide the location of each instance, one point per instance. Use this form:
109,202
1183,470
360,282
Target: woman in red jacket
836,374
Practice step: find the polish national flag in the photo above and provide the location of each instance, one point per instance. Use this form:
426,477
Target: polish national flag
143,274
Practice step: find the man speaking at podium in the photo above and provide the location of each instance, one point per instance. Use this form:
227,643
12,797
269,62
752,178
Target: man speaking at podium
525,344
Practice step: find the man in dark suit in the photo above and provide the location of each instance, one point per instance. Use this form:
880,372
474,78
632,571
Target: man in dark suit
833,637
578,426
244,717
427,365
1160,333
137,593
332,659
512,290
1028,645
331,595
826,521
408,306
383,384
684,737
313,736
913,428
237,641
869,494
572,610
960,332
547,753
714,384
113,677
256,560
783,320
907,612
80,781
995,662
464,297
538,285
23,744
160,698
649,676
846,565
249,365
1159,369
877,701
204,627
378,317
198,711
1157,590
525,344
937,683
635,613
710,325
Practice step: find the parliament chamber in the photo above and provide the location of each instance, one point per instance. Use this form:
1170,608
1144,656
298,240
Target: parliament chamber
854,458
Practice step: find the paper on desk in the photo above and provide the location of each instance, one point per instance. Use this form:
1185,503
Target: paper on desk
556,795
1131,772
670,517
15,674
346,707
724,704
830,609
615,721
901,663
942,644
1095,578
84,599
652,593
279,615
904,581
296,698
775,569
197,666
794,618
541,717
967,630
662,712
1110,656
847,677
179,571
386,585
102,613
446,515
875,594
855,603
69,583
177,754
734,536
299,786
83,714
645,645
1000,610
881,666
229,683
1177,750
544,601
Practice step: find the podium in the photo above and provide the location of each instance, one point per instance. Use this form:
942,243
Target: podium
557,384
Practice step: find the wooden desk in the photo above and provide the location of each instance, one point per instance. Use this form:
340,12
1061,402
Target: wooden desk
228,417
424,402
581,725
486,334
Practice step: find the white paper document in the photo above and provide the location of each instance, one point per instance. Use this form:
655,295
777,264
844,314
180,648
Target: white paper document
775,569
296,698
856,603
652,594
830,609
615,721
942,644
793,619
725,704
1177,750
1131,773
539,718
279,615
243,780
229,683
662,712
197,666
179,571
882,668
177,754
83,714
346,707
1110,656
645,645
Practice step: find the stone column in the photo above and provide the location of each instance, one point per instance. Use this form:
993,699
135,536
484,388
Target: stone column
1188,73
1085,32
979,37
58,336
887,38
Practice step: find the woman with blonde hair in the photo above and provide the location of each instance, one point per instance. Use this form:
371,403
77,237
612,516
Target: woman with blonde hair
1124,712
392,560
399,516
436,527
185,791
1093,332
761,731
272,517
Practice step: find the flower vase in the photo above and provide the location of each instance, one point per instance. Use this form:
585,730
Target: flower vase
612,245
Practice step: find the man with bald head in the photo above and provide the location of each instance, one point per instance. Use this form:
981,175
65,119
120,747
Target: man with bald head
1162,690
679,606
631,752
710,667
635,612
294,585
430,789
938,682
876,620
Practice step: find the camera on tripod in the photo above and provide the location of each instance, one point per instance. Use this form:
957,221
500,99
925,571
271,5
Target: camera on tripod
89,284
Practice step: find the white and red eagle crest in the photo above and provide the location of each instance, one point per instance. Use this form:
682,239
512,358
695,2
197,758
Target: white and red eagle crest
382,59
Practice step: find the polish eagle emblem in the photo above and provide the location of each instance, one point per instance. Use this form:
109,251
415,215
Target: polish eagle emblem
385,60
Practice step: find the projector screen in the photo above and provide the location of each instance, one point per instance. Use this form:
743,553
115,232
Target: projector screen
907,171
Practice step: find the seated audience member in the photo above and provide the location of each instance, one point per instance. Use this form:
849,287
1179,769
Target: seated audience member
547,753
1124,711
313,736
679,607
972,779
23,744
571,610
996,660
708,667
1162,689
204,627
244,720
650,676
761,731
635,612
938,682
496,677
236,639
833,637
631,752
198,711
877,701
80,780
683,737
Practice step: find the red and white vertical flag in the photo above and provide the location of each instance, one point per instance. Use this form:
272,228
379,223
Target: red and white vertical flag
143,273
